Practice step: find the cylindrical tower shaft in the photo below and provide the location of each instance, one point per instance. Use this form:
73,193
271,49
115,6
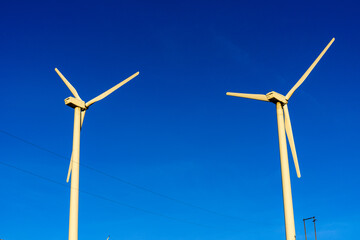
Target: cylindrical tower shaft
285,176
74,191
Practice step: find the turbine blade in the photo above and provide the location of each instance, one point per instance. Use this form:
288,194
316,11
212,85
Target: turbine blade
82,116
69,171
290,136
105,94
71,161
71,88
306,74
260,97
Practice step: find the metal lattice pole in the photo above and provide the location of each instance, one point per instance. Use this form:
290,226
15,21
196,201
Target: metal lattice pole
305,229
315,228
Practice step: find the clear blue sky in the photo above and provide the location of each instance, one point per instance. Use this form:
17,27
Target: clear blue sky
178,158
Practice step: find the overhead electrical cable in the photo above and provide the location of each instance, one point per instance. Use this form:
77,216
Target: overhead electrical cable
122,180
112,200
136,185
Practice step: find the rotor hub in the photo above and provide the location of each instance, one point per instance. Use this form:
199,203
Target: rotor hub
276,97
74,102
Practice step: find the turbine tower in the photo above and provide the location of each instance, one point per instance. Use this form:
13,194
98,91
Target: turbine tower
284,125
80,108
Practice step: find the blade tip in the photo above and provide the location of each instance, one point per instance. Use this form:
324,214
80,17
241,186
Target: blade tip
134,75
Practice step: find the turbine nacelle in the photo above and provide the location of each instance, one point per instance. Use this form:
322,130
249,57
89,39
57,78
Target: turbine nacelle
276,97
74,102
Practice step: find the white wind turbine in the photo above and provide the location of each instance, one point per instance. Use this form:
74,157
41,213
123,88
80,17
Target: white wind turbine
281,102
80,108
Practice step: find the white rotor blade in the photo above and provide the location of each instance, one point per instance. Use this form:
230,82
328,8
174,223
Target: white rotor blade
71,161
260,97
290,136
306,74
105,94
69,171
71,88
82,116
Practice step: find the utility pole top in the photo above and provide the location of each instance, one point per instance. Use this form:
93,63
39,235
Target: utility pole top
314,226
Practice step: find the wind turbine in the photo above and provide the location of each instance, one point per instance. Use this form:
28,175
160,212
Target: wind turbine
284,125
80,108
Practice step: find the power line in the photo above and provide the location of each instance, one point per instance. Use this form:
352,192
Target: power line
112,200
124,181
136,185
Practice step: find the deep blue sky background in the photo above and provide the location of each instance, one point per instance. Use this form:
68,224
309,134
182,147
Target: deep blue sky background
172,129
